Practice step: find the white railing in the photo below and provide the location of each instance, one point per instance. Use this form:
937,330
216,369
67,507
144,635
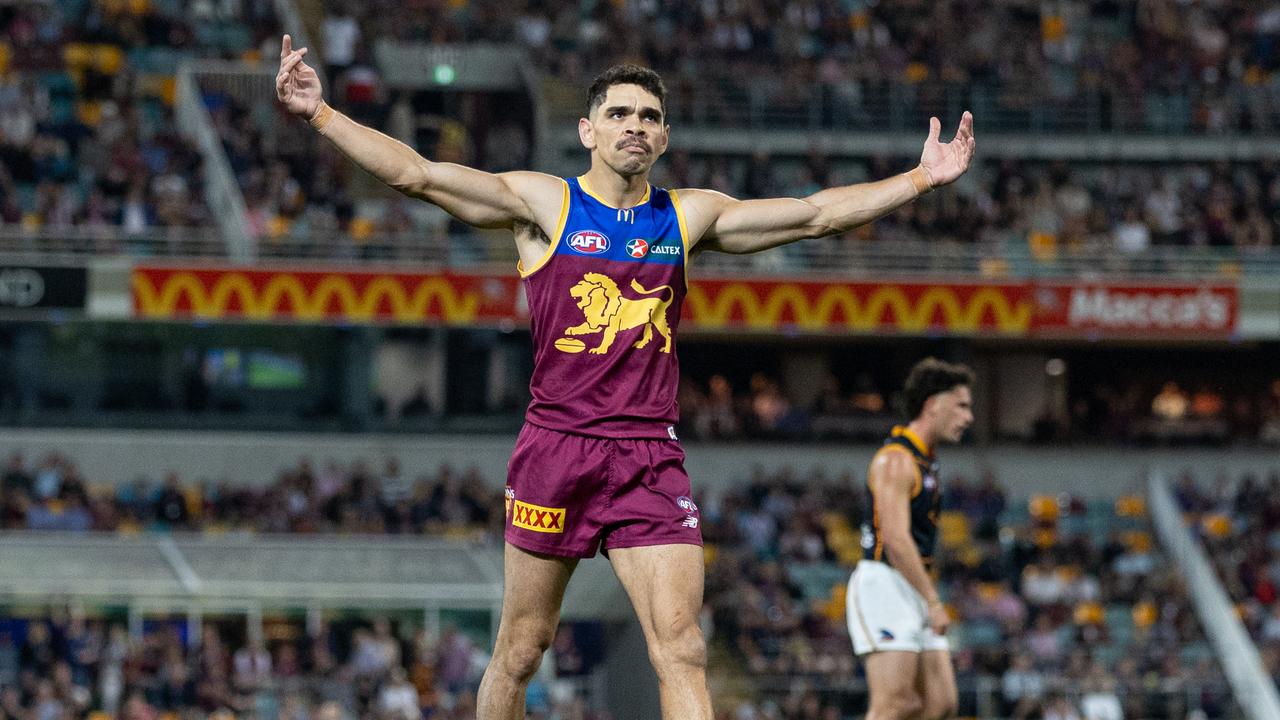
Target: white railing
1252,685
76,244
291,21
221,190
842,258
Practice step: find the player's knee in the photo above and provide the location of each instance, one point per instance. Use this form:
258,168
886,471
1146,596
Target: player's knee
940,709
897,706
679,651
521,658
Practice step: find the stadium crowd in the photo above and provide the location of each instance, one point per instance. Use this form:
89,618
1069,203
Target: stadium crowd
1139,65
1058,602
1146,411
66,665
1238,518
54,495
1063,606
87,131
88,137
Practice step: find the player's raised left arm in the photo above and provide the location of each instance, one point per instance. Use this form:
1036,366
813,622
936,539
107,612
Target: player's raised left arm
745,226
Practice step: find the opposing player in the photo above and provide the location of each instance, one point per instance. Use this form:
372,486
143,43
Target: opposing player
896,619
603,259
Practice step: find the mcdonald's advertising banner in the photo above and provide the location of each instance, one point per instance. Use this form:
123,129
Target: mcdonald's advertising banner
1010,309
444,298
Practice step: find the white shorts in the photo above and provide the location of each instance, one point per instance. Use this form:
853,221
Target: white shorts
886,613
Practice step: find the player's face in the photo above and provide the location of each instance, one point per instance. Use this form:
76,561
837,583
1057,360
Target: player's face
952,413
628,130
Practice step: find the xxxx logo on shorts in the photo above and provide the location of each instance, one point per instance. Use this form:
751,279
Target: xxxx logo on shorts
537,518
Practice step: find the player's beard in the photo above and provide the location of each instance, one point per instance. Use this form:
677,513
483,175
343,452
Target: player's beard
632,165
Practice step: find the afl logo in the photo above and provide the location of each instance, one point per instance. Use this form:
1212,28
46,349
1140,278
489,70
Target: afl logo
589,242
685,504
637,248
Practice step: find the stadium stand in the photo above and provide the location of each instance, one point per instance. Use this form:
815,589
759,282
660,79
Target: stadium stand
1140,67
1236,517
93,160
1056,600
53,494
1139,410
1063,606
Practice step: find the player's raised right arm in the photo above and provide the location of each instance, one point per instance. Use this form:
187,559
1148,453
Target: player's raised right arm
473,196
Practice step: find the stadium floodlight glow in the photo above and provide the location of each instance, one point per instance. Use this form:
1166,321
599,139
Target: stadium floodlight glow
445,74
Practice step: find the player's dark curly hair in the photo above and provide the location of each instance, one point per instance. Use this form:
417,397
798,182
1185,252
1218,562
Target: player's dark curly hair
626,75
930,377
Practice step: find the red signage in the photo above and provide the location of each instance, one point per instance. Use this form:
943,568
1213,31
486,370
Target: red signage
1109,310
314,295
1007,309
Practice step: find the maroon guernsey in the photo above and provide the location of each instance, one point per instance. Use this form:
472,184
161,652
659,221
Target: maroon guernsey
604,305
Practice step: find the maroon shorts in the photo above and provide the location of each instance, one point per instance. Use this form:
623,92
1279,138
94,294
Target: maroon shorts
568,494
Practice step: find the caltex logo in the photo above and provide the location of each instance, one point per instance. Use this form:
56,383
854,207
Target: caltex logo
637,248
589,242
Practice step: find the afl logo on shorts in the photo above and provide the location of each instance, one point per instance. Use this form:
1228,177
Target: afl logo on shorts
638,248
686,504
589,242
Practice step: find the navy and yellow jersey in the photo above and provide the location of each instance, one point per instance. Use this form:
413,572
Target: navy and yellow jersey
604,308
926,498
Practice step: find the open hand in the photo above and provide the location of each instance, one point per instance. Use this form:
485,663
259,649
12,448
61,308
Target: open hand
297,84
944,162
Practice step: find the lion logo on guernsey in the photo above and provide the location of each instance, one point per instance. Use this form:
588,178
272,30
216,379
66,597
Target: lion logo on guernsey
589,242
638,248
606,311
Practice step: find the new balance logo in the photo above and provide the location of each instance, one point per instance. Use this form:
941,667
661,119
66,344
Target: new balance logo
690,522
537,518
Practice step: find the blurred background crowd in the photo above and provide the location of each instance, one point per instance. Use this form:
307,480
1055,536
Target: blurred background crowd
1056,600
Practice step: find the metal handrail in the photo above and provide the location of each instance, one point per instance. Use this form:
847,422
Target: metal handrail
221,191
843,258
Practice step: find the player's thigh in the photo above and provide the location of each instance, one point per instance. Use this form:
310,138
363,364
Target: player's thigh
533,590
892,675
665,585
937,682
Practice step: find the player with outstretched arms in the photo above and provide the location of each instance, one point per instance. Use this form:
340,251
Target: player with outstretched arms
603,259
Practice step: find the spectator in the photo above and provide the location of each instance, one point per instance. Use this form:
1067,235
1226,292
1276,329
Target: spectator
1022,687
252,667
1100,701
1171,403
399,699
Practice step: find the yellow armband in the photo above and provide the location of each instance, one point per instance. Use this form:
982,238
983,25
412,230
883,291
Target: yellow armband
323,116
920,180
